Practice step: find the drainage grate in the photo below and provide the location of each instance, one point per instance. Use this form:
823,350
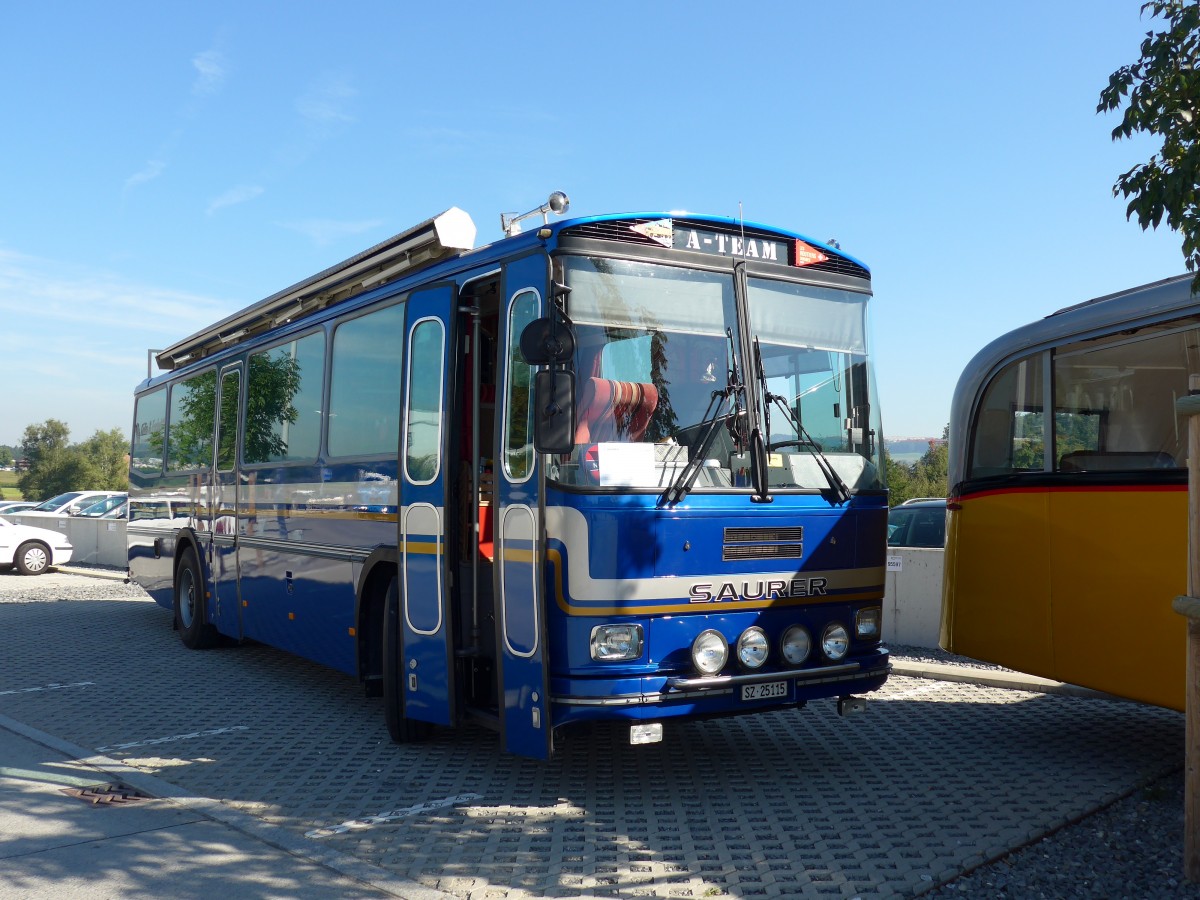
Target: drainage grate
115,794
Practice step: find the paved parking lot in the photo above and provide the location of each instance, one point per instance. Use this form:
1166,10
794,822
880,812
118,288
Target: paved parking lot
934,779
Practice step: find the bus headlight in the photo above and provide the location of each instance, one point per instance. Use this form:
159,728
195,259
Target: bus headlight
752,648
796,645
616,642
709,652
835,641
866,622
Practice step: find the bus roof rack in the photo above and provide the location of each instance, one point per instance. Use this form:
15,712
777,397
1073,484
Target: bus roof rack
435,239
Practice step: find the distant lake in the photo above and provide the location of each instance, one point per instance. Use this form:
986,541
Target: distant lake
907,458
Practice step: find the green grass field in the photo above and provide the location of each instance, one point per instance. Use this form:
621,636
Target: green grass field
8,487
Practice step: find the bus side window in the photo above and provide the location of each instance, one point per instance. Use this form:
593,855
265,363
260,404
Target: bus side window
1009,430
993,441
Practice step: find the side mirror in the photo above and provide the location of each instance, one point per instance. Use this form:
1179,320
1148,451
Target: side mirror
544,341
554,410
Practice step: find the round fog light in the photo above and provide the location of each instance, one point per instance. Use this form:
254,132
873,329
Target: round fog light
796,645
709,652
752,648
835,641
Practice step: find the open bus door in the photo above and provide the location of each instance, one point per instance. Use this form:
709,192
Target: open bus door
525,726
426,658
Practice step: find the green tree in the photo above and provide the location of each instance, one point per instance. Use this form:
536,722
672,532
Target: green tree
931,471
927,477
57,466
1161,96
6,456
46,448
107,452
899,479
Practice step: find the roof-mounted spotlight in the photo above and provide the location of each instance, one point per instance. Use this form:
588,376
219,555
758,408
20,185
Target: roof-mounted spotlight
557,203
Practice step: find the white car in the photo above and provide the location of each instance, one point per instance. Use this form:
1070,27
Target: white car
32,550
69,503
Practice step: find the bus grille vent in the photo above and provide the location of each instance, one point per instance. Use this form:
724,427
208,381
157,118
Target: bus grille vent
763,535
762,551
763,543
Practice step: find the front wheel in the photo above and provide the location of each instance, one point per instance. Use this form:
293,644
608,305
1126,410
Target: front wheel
33,558
190,618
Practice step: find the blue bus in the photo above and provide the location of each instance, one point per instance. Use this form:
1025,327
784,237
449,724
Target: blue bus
610,467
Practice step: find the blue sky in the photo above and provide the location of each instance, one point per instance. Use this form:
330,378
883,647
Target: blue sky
167,164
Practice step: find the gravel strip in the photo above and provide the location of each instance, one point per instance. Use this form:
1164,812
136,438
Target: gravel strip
940,657
1131,849
56,584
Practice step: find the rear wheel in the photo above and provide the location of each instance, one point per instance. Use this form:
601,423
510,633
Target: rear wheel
401,729
190,619
33,558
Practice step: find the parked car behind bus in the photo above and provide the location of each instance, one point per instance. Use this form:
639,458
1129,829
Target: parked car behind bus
32,550
69,503
918,523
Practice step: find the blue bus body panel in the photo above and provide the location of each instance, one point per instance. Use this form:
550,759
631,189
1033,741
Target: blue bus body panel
427,655
521,641
613,559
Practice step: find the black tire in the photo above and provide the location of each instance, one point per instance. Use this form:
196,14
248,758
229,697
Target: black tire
400,729
33,558
190,618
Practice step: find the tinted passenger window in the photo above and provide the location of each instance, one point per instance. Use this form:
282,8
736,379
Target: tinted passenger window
193,417
364,399
231,383
284,392
422,458
518,421
149,428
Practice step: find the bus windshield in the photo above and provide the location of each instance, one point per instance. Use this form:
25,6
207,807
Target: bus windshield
655,349
813,345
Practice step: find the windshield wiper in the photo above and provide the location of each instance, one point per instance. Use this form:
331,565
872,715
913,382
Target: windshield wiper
839,489
682,483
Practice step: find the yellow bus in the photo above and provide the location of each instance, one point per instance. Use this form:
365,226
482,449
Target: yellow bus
1067,534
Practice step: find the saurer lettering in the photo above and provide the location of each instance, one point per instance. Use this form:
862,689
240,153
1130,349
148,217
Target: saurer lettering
708,592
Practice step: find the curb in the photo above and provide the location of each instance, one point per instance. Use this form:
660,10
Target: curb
1000,678
110,574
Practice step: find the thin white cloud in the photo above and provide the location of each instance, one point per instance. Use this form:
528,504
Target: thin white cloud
149,172
326,103
78,300
210,72
82,336
240,194
325,231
